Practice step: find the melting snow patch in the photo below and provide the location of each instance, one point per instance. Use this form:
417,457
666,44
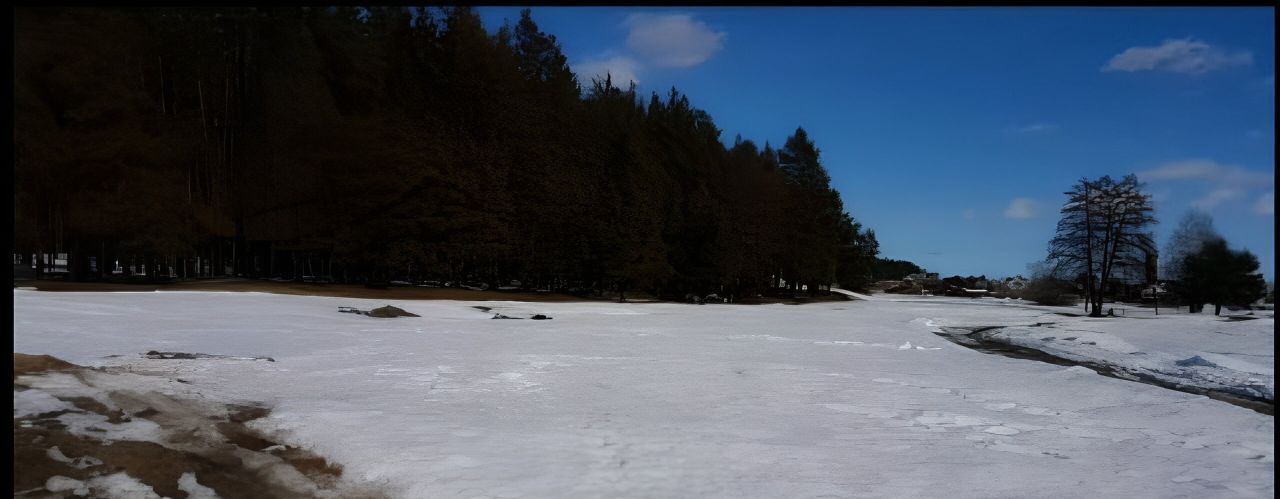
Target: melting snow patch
187,483
95,426
79,463
1079,370
122,485
33,402
118,485
59,483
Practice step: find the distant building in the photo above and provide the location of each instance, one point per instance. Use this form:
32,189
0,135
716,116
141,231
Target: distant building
921,277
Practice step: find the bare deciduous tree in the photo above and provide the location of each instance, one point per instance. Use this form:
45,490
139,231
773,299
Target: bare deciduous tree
1103,230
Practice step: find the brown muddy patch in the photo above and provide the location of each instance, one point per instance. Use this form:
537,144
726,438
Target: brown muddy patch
212,441
32,364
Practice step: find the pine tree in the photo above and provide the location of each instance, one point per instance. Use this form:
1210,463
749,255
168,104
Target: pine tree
1218,275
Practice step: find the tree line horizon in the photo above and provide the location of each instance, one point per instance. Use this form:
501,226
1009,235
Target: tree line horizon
374,144
370,144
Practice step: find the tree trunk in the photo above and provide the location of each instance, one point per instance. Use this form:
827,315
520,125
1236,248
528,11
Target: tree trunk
1217,309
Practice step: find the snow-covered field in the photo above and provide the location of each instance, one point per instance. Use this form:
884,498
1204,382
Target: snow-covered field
1232,353
849,399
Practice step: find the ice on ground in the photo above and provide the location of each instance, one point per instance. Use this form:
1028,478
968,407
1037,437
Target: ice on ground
117,486
79,463
679,401
187,483
35,402
1198,350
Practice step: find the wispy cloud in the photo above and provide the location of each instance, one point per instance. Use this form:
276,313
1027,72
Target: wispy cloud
1217,196
1206,170
1021,209
1032,128
672,40
1186,55
1265,205
969,214
620,68
1223,182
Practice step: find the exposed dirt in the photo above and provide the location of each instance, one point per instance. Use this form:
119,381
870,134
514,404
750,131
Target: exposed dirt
798,300
223,453
31,364
389,311
308,289
389,293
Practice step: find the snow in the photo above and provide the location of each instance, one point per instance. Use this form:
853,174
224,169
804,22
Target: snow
28,403
852,294
1233,355
188,483
672,400
116,486
79,463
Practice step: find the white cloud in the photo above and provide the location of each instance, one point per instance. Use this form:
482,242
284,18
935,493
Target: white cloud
1209,171
672,40
620,68
1177,56
1224,182
1217,196
1266,205
1021,209
1032,128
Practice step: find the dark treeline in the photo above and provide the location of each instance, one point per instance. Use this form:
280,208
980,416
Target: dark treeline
891,270
395,143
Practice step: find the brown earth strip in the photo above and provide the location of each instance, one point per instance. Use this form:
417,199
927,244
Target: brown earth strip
225,454
358,291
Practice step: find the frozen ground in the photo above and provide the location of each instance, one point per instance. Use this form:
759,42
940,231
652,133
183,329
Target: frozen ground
849,399
1233,353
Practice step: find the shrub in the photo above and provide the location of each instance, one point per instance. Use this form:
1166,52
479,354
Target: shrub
1049,291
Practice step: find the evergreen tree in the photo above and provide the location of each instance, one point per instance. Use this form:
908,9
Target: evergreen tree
1218,275
1193,231
374,143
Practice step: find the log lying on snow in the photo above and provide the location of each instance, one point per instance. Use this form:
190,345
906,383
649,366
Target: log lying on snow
537,317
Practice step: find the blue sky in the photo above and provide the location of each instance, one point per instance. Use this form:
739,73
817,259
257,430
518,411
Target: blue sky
953,132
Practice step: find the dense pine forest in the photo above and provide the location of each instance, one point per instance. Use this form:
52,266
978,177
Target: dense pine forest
369,145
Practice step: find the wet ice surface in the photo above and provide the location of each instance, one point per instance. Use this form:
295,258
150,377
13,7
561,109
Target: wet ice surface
668,400
1225,354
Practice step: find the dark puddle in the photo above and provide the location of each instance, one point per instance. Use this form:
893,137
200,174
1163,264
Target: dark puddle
977,338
